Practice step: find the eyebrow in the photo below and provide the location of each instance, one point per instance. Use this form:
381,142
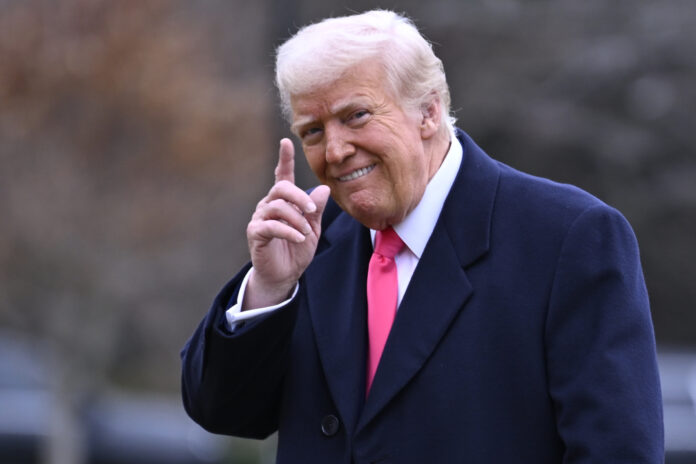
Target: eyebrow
349,103
303,121
341,107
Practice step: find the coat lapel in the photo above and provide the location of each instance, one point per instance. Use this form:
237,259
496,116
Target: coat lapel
439,287
337,302
428,308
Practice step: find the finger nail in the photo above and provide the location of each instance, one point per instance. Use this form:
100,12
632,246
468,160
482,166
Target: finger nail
310,208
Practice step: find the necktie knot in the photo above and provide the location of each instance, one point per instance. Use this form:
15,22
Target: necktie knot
388,243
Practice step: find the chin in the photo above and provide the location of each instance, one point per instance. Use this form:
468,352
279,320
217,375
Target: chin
367,217
368,210
372,219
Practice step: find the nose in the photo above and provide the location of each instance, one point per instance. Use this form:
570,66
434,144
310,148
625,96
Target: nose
338,144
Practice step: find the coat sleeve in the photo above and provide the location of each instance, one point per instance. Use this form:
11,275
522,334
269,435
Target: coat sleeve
231,382
600,345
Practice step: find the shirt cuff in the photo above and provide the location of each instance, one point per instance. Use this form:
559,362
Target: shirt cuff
234,314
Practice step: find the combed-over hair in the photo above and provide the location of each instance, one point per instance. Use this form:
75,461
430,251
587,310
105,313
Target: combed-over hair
320,53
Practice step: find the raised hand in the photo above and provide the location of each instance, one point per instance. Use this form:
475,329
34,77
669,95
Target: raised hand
283,234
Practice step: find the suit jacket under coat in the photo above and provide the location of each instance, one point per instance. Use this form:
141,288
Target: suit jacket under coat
524,337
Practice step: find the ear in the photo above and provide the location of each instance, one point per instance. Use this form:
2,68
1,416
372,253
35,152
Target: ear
431,116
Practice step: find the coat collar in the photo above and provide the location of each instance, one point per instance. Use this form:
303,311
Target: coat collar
337,302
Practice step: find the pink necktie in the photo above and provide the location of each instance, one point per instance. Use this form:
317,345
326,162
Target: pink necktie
382,296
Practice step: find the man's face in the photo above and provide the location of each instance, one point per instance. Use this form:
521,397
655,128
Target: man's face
359,141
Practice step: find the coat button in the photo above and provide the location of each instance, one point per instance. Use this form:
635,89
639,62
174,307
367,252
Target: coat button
329,425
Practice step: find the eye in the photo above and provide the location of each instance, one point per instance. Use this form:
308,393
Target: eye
358,116
310,134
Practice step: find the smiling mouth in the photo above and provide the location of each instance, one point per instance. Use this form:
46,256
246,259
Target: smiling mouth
357,173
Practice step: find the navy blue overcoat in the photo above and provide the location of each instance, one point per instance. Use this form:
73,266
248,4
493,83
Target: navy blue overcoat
524,337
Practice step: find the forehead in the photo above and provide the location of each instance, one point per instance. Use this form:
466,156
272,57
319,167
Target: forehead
360,85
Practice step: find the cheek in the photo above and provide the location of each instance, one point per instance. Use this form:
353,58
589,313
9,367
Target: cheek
316,162
410,176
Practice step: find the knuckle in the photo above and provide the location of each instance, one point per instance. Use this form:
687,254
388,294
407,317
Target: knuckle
259,212
252,230
284,185
274,206
274,192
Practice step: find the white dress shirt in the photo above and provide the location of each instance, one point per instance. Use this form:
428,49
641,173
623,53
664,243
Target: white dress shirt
415,231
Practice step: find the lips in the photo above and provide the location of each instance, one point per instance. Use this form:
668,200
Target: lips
357,173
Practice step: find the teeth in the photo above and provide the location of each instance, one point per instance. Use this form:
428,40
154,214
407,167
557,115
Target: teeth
357,173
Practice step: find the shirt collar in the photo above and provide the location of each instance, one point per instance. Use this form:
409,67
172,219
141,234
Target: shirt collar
416,228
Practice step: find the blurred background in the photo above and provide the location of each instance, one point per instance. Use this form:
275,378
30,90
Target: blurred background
136,137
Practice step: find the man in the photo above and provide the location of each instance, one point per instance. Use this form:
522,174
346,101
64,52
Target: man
509,323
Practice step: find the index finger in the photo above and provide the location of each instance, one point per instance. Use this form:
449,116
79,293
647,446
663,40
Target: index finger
285,170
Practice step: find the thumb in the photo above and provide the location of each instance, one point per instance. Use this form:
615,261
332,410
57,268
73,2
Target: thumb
320,196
